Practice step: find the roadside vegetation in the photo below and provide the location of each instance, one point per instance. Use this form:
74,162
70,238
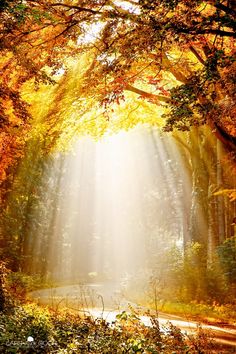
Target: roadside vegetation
29,328
186,284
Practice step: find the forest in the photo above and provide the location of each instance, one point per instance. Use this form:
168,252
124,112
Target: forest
117,176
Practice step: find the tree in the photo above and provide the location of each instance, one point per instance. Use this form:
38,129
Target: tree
176,56
139,46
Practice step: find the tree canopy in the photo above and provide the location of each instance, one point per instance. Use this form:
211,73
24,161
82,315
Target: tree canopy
175,55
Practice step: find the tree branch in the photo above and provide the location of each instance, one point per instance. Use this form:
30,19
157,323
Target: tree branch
142,93
197,55
79,8
70,25
218,32
222,7
196,31
170,67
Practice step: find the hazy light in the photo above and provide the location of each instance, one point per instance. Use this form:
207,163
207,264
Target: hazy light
126,5
118,204
59,72
91,32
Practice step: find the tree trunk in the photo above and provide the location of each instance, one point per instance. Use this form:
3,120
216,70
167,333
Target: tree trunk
221,206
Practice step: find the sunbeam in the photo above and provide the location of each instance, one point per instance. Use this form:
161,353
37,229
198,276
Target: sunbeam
121,201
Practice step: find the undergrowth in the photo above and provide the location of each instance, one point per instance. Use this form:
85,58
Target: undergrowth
31,329
186,284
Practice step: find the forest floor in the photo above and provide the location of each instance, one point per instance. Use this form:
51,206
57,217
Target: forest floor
105,302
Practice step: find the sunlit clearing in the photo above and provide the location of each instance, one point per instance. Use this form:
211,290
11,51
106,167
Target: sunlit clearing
122,204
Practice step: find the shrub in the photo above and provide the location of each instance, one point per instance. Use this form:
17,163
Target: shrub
187,277
19,284
31,329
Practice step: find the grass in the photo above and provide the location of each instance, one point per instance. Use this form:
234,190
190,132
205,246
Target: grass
201,311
